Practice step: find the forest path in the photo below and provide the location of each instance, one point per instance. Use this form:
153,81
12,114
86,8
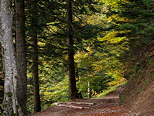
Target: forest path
107,106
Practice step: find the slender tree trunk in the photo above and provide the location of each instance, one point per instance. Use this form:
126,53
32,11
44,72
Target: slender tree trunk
89,90
1,77
34,20
21,55
73,93
10,103
37,102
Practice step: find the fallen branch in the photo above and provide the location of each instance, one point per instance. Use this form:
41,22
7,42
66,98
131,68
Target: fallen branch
85,103
73,104
69,106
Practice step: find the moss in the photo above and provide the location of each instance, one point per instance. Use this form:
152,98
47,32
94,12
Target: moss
10,94
122,98
150,75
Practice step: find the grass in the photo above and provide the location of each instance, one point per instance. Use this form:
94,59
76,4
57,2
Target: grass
109,90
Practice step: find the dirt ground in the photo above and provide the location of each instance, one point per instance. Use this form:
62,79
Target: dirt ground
142,102
107,106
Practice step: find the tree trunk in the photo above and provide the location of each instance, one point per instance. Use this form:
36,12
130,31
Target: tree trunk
34,20
21,55
73,93
37,102
1,78
10,103
89,90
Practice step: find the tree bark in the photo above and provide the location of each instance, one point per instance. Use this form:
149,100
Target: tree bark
21,55
34,21
73,93
10,103
1,77
37,102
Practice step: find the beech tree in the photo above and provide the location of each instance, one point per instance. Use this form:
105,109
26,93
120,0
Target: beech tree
10,103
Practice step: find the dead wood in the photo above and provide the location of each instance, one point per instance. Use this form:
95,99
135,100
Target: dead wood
73,104
85,103
69,106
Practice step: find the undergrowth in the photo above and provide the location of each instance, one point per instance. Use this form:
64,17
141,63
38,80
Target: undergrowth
109,90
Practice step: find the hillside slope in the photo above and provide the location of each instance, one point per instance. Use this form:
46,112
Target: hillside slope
138,95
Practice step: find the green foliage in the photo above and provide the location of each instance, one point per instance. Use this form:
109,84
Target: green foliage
108,90
53,93
52,34
99,68
106,44
97,84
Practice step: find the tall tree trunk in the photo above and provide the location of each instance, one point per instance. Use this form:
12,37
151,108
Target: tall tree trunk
10,103
73,93
34,20
21,55
37,102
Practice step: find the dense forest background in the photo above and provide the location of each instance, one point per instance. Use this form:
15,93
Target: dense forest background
68,49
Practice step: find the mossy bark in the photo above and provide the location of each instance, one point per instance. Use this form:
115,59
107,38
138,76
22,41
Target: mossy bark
10,103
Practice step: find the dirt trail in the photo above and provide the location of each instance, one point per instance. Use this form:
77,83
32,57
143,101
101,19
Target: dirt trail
107,106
